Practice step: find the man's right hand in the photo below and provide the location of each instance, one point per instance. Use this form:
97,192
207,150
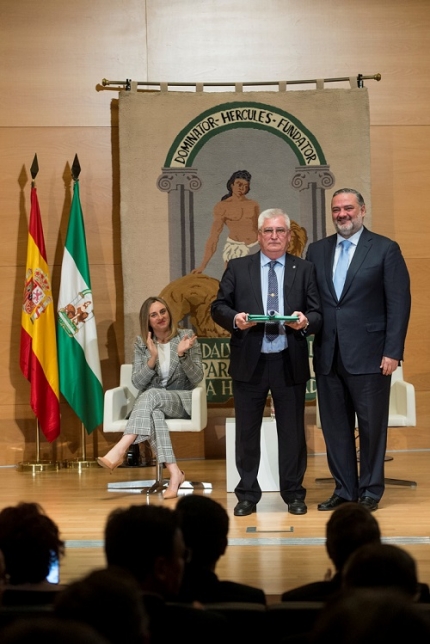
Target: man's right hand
241,321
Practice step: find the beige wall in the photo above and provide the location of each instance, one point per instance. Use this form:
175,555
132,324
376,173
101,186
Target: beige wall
54,55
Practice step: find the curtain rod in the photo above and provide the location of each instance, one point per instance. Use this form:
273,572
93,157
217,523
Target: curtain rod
127,83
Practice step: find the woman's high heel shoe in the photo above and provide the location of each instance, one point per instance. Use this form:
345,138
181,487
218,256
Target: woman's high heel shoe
171,492
104,462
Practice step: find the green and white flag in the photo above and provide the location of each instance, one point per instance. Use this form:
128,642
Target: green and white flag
78,352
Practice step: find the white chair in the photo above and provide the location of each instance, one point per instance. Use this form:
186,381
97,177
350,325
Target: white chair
401,413
118,403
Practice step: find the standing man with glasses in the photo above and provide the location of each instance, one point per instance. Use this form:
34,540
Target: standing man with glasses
271,357
365,296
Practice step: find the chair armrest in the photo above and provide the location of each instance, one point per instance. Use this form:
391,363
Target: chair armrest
118,403
199,406
402,411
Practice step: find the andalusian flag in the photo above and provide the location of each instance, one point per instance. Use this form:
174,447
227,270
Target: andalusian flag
38,349
78,352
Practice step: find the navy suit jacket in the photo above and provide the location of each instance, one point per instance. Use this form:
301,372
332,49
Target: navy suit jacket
240,291
371,317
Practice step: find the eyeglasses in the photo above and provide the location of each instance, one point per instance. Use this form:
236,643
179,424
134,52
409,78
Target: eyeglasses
280,232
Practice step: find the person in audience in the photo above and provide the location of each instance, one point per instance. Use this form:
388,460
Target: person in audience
157,562
370,616
30,542
205,525
384,565
167,366
49,630
3,579
112,592
350,526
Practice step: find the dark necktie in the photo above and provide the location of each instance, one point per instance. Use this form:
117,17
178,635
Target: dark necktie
341,267
272,329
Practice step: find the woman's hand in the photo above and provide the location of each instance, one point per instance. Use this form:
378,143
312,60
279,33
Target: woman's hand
152,348
186,343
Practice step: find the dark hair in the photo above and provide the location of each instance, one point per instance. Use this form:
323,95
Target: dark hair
381,565
109,600
351,191
370,616
350,526
239,174
204,523
49,630
30,542
151,527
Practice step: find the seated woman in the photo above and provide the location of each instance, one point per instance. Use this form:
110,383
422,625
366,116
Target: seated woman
167,366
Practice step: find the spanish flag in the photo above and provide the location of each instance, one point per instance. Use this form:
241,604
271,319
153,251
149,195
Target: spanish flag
38,349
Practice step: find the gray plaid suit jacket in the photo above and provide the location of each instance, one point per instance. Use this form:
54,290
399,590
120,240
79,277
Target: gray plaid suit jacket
184,374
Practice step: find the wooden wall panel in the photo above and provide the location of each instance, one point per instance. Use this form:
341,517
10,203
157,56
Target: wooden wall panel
417,352
400,163
400,158
54,53
97,149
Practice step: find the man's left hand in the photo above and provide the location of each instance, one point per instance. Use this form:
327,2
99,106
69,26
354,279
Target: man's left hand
301,323
388,365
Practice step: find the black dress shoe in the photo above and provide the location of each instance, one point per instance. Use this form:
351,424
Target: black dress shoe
243,508
297,507
369,503
332,503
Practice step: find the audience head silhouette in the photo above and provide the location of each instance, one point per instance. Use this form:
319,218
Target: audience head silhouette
109,600
382,565
30,542
350,526
158,560
370,616
2,575
205,524
50,630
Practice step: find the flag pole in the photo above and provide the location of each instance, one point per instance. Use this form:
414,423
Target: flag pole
82,463
38,465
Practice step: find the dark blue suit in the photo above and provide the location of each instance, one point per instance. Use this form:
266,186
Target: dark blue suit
254,373
369,321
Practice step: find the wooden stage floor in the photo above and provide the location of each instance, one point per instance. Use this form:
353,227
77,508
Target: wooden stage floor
270,549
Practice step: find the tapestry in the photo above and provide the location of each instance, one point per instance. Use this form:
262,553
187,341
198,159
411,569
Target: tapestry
196,169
